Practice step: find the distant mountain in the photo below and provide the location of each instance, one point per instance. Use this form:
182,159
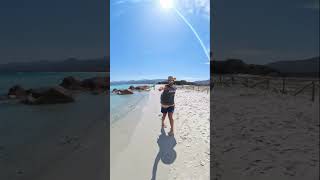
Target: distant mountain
143,81
160,81
204,82
237,66
305,67
69,65
179,82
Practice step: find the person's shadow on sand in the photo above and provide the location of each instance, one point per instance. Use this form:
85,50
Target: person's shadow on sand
166,152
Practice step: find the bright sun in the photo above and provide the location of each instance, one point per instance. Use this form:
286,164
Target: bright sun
166,4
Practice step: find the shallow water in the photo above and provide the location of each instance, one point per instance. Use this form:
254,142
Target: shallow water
120,105
21,123
39,79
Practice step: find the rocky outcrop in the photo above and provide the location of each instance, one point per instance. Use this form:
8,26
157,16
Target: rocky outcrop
115,91
61,93
52,95
142,88
17,92
71,83
122,91
95,83
130,90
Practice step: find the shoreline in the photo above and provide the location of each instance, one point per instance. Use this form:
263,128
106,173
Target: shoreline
124,127
134,105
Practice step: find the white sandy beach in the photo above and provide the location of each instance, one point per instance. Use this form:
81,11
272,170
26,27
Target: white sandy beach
262,135
140,151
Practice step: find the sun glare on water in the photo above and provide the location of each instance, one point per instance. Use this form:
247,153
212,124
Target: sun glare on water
166,4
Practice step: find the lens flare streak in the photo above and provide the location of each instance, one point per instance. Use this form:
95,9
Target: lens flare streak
194,32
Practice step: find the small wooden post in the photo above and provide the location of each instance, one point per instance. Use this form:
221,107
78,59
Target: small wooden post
283,85
247,82
268,83
220,79
232,80
313,90
212,84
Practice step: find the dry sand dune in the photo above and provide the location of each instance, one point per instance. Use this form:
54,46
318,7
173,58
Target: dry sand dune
262,135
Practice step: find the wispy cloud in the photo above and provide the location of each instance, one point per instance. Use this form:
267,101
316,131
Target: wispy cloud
199,7
120,1
130,1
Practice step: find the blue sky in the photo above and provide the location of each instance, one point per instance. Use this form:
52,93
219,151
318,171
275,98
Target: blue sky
264,31
149,42
53,30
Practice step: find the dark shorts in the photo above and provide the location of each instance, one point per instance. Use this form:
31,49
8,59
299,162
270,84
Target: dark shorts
167,110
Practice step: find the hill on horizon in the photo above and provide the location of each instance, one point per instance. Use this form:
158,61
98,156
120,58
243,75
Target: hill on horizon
299,68
142,81
305,67
68,65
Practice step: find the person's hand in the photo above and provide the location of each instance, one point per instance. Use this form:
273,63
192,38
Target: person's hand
160,89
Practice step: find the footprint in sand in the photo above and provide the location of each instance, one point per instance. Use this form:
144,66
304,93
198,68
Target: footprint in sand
19,172
74,141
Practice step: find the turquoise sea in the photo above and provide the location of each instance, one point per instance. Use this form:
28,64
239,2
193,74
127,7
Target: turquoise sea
21,123
18,120
39,79
121,105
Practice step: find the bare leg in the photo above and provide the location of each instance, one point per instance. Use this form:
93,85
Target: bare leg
163,118
171,122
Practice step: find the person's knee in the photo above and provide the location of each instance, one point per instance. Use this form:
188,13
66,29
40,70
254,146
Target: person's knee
170,116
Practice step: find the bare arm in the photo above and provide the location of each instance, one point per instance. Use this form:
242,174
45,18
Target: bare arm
161,88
